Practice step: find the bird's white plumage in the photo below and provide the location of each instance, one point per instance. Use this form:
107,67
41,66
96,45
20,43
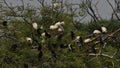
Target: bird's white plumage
63,23
56,5
41,27
77,37
58,24
53,27
29,39
87,40
104,29
35,26
96,32
43,34
61,29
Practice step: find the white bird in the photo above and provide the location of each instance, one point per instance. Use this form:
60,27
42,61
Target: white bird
77,37
87,40
29,39
61,29
58,24
96,32
53,27
56,5
104,29
43,35
62,23
35,26
41,27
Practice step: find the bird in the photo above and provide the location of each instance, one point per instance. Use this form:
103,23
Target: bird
56,5
79,40
5,23
60,29
77,37
47,34
35,26
104,29
58,24
41,27
53,27
87,40
29,39
72,34
62,23
96,32
43,35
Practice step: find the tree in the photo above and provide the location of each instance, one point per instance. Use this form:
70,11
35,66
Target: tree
23,46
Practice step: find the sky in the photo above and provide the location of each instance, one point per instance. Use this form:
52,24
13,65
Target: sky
104,8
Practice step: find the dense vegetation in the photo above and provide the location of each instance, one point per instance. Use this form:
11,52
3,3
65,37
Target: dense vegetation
60,49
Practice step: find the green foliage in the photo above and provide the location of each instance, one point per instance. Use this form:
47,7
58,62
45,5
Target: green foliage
25,53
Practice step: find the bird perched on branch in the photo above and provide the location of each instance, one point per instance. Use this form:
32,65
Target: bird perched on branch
35,26
96,32
79,40
58,24
53,27
87,40
61,29
29,39
104,29
62,23
45,34
56,5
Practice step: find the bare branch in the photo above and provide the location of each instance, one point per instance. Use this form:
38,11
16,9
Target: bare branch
114,11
